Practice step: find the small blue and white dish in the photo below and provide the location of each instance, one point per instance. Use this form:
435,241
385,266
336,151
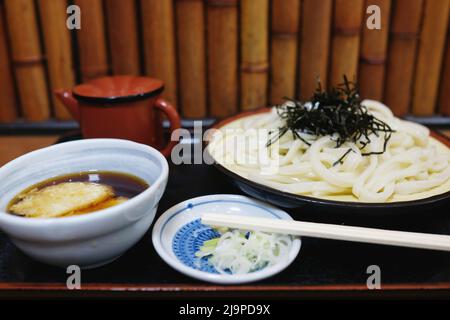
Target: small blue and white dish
178,234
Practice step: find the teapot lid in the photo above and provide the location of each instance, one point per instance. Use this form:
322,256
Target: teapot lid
118,89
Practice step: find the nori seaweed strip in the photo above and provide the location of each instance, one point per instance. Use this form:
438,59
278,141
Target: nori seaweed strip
337,112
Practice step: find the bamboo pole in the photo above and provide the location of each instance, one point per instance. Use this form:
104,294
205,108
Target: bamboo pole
373,54
405,26
91,40
314,45
27,59
345,44
58,49
284,44
159,44
8,111
254,53
429,58
444,101
123,36
222,44
191,57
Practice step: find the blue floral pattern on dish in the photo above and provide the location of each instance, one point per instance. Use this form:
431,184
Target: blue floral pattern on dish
188,240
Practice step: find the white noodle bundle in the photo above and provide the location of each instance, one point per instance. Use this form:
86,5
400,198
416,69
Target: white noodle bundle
411,164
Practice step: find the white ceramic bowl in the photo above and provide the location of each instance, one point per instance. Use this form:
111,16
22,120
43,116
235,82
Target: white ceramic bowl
180,224
92,239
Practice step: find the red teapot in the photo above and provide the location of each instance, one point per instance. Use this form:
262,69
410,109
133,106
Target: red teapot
122,107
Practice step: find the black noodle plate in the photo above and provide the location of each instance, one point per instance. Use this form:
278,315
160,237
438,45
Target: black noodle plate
316,206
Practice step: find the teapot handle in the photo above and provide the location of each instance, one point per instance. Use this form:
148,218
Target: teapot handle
175,123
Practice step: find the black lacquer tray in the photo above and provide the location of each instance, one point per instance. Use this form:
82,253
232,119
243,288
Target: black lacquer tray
323,267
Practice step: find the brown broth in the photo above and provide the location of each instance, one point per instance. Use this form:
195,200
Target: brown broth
124,185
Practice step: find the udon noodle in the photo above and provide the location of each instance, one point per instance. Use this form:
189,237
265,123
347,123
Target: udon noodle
413,163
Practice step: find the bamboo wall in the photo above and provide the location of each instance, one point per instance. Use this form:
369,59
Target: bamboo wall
218,57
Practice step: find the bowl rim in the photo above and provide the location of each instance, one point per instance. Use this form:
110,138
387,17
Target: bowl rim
313,200
220,278
96,216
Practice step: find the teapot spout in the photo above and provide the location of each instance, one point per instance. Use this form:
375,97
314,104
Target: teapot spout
69,101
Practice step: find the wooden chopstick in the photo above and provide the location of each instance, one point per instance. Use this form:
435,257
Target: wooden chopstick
331,231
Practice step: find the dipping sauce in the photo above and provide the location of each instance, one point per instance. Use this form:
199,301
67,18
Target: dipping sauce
75,194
